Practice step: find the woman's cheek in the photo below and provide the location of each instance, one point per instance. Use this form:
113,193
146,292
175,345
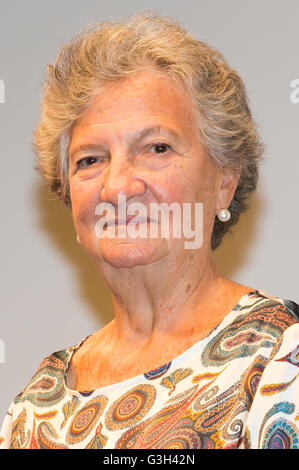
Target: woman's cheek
84,201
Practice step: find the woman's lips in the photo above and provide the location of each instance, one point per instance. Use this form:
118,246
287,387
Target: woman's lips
135,220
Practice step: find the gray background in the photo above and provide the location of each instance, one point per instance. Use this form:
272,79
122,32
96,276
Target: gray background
51,294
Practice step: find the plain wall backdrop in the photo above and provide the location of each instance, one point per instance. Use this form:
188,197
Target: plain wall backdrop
51,294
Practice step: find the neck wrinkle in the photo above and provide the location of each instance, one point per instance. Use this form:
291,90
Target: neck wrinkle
149,315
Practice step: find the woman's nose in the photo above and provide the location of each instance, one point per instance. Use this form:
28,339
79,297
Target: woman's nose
121,178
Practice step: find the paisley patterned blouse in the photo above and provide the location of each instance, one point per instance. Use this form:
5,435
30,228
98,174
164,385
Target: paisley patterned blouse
236,388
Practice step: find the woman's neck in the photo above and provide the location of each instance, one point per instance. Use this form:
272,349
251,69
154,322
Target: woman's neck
164,299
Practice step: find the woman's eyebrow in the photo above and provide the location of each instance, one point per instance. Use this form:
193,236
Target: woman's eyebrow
137,136
149,131
84,148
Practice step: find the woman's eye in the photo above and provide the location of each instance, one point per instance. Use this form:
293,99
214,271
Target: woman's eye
87,161
160,148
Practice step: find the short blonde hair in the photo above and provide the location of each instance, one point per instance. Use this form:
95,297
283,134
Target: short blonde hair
105,53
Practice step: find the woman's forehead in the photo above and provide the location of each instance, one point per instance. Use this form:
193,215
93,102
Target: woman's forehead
145,89
145,101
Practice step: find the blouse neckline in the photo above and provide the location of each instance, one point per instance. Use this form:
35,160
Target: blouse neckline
175,362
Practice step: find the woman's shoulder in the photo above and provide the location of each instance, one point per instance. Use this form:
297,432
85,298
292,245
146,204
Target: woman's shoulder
271,307
256,328
252,301
47,386
44,391
267,314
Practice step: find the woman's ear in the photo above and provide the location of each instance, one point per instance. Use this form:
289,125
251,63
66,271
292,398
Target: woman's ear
228,185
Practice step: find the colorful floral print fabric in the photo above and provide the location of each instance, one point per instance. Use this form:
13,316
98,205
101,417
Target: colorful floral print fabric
236,388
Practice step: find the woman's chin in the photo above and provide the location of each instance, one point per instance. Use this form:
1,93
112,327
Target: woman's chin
129,253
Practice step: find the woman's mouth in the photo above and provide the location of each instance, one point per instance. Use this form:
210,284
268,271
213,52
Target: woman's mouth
132,220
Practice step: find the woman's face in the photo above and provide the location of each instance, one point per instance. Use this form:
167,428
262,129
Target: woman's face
138,140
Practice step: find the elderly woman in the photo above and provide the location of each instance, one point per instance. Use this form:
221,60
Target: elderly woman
138,114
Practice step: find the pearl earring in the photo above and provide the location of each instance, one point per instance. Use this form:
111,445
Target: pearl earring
223,215
78,240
